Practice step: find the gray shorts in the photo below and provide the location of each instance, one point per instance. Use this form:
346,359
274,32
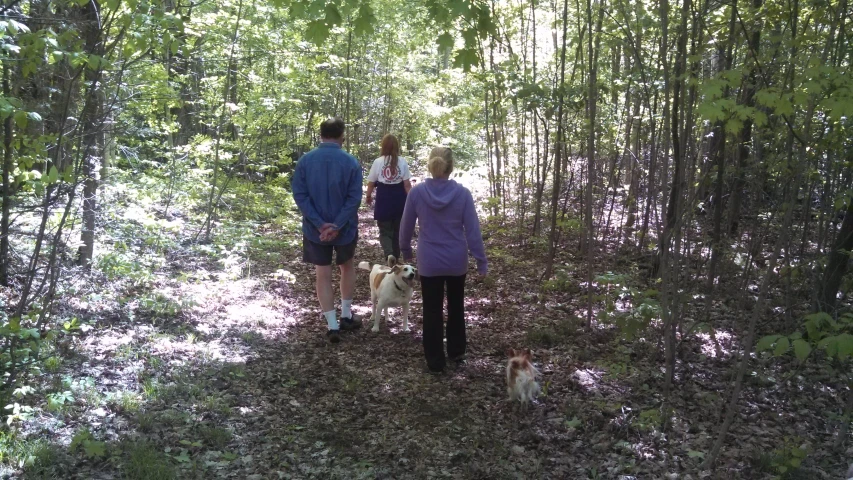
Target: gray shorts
321,255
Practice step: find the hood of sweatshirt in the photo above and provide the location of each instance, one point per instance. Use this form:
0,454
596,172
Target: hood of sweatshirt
439,193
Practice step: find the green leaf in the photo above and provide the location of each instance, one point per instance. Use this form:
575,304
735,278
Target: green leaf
52,175
802,349
845,345
94,449
830,344
766,342
93,62
782,346
695,454
459,7
21,119
317,32
573,423
365,20
466,58
333,16
445,41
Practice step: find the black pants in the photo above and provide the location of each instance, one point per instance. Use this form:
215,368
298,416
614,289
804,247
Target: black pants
389,238
433,298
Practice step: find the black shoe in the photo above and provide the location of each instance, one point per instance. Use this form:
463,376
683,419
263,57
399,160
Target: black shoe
350,324
430,371
334,336
458,359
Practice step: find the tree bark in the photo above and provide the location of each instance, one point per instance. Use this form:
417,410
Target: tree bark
592,104
8,166
558,151
836,266
745,135
92,137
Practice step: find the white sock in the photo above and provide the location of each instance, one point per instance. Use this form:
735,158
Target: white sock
346,306
331,319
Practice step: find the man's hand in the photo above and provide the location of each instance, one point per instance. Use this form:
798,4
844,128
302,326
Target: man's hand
328,232
328,237
368,200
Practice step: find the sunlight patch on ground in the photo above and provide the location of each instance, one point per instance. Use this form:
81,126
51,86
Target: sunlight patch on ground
588,378
723,338
212,350
250,312
108,341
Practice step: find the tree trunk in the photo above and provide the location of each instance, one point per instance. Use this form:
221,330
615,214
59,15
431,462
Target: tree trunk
745,136
592,103
558,151
92,137
669,294
836,266
8,166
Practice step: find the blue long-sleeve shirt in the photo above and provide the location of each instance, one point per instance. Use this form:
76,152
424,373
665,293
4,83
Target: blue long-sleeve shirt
327,188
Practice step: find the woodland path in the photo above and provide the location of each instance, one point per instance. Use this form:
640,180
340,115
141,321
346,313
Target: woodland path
244,385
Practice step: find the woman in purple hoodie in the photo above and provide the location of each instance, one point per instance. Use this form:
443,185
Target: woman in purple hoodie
449,229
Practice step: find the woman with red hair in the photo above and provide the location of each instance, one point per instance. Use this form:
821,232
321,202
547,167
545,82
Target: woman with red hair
390,177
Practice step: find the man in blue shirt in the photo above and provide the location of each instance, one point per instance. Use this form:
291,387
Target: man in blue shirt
327,187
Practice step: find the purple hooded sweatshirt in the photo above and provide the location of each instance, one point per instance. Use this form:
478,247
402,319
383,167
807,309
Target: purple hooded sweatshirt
449,228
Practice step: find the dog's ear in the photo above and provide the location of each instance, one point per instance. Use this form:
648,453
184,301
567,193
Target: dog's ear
396,269
510,352
392,260
527,354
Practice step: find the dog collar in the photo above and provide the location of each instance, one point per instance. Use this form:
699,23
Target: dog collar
398,287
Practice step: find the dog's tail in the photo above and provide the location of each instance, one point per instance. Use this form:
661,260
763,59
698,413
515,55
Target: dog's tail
364,266
392,260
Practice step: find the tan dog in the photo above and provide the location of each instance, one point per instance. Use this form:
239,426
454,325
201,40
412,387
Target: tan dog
390,286
521,376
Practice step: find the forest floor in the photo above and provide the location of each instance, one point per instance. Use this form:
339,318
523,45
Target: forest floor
222,370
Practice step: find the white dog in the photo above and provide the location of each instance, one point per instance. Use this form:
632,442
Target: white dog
390,286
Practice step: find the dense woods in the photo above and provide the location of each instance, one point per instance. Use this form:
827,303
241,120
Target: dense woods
665,187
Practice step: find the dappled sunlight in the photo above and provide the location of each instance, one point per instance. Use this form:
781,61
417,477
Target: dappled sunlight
725,340
478,311
588,378
108,342
189,347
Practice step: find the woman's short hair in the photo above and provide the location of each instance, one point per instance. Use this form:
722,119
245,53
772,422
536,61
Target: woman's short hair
440,162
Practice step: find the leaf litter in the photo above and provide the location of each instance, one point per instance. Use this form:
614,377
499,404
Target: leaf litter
242,384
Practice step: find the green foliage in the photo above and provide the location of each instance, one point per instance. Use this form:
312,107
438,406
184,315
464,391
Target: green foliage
560,333
126,402
84,442
162,305
20,346
57,402
648,420
144,461
561,282
36,456
214,437
785,461
629,308
822,332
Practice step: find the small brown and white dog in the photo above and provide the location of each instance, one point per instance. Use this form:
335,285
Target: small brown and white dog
521,376
390,286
